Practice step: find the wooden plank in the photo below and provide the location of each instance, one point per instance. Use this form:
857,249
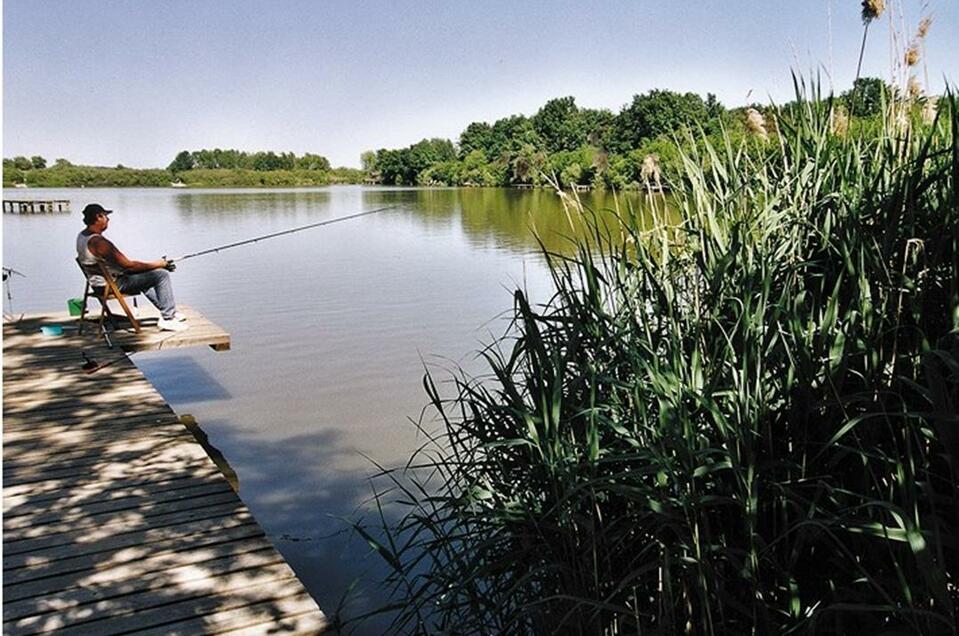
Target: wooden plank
55,499
84,509
70,377
129,450
253,601
184,575
160,524
292,615
151,535
116,520
42,525
78,443
70,374
133,569
24,428
201,332
111,400
128,521
161,459
90,615
57,489
80,565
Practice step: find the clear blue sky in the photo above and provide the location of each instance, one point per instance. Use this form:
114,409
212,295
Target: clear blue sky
134,82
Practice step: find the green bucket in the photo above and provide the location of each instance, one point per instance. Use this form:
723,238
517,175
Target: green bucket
75,305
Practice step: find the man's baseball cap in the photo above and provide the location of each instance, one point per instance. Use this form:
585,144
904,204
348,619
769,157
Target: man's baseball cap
91,211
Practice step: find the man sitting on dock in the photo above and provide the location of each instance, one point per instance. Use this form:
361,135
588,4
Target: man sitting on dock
151,278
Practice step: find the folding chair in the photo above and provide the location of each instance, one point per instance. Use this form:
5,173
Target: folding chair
103,294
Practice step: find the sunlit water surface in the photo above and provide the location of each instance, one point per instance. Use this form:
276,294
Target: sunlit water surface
330,327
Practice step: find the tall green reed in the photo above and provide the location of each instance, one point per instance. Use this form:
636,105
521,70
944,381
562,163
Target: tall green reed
743,422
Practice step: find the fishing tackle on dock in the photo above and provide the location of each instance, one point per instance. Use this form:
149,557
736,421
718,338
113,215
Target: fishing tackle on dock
9,273
256,239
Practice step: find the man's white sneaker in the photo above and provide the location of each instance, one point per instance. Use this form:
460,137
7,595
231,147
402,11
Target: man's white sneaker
171,325
179,316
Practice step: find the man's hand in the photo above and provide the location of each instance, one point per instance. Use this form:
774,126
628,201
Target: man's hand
168,264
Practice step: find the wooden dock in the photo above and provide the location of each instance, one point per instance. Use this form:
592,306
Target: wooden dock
35,207
115,519
202,332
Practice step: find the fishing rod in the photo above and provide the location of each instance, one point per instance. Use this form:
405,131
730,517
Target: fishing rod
275,234
8,271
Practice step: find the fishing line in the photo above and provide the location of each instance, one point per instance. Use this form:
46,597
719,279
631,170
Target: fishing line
255,239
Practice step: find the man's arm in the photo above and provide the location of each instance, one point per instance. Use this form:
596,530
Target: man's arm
101,247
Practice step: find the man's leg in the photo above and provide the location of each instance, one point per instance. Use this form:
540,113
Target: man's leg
156,286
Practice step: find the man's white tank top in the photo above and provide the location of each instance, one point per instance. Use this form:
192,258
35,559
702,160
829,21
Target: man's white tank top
87,258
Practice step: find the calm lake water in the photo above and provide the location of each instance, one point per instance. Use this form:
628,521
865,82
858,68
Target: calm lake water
331,329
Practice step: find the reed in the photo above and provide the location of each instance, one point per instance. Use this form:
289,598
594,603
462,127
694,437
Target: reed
743,422
871,10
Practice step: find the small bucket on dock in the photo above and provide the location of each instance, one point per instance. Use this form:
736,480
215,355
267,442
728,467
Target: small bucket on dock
51,330
75,306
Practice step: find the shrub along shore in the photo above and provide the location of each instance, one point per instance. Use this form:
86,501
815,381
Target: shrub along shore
64,174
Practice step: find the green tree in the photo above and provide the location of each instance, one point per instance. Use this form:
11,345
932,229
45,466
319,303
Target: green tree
477,136
267,161
38,162
392,165
22,163
714,108
598,126
368,161
656,113
312,162
476,170
182,162
528,165
510,134
866,97
560,124
573,167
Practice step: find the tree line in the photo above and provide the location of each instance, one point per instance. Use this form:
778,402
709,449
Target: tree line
581,146
239,160
199,168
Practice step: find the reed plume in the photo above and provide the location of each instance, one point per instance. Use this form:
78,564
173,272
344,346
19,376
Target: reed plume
913,87
929,110
912,55
650,170
756,124
871,10
840,122
921,34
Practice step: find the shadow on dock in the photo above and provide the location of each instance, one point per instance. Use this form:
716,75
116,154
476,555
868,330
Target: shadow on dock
115,519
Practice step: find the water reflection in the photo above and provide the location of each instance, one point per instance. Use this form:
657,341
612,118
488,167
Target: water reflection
504,218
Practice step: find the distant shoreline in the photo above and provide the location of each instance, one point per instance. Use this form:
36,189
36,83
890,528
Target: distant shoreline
70,176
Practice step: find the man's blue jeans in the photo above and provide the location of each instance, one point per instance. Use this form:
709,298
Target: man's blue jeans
155,285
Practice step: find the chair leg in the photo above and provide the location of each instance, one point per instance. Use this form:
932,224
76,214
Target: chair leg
83,309
113,291
126,308
104,315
